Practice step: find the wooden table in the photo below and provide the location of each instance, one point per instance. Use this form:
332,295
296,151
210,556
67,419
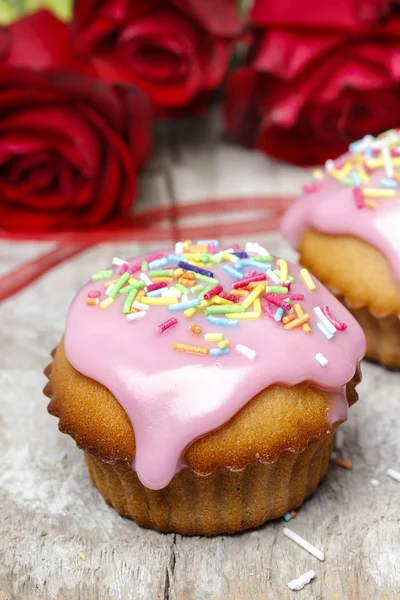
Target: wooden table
59,540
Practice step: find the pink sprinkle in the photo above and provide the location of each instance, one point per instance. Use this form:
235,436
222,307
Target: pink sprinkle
252,273
395,152
367,169
155,286
274,299
235,246
296,297
167,325
154,256
94,294
287,283
358,197
244,282
211,249
230,297
310,188
123,269
135,267
214,292
340,326
266,308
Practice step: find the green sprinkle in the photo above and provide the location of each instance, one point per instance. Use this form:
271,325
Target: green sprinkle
291,278
138,285
205,278
206,289
145,265
205,258
118,285
129,301
162,273
288,300
276,271
265,259
216,258
182,288
276,289
225,308
196,289
346,181
102,275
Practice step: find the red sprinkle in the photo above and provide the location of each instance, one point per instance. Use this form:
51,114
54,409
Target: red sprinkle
167,325
245,282
287,283
154,256
155,286
214,292
358,197
340,326
230,297
297,297
94,294
275,299
135,267
310,188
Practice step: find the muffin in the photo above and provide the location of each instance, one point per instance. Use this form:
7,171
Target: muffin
346,229
204,385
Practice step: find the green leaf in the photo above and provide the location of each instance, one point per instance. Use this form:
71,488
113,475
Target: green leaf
61,8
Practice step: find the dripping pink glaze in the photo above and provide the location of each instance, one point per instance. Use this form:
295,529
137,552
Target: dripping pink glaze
173,398
331,209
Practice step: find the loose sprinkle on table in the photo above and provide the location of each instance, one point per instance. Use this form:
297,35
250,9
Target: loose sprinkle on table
300,582
344,464
297,539
393,474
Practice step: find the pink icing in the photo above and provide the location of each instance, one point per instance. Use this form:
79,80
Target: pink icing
173,398
332,209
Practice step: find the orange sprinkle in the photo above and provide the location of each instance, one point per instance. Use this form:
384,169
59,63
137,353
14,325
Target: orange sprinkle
254,284
345,464
198,249
293,514
190,349
297,322
238,293
187,282
141,293
92,301
196,329
162,279
133,310
370,203
188,275
397,177
288,319
299,312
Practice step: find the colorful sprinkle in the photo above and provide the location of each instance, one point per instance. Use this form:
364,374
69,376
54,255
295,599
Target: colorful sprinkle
167,325
324,331
106,303
305,275
219,351
190,349
195,329
321,359
340,326
233,272
92,301
247,352
102,275
136,316
94,294
223,321
211,310
213,292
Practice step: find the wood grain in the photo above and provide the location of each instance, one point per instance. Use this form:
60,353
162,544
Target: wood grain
50,513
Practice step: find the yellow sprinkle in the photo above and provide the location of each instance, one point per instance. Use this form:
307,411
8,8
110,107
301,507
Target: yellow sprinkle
282,264
257,305
219,300
379,162
226,255
244,316
159,301
370,203
247,302
213,337
186,244
189,312
362,173
205,303
335,173
305,275
178,272
318,173
345,170
82,556
132,280
106,303
224,344
379,193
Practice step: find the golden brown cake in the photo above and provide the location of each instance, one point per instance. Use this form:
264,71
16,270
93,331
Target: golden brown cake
184,431
346,229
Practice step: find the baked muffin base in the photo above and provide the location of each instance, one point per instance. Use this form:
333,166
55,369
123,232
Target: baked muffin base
225,501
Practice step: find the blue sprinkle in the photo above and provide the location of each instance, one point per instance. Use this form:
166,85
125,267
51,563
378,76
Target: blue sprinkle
219,351
160,262
234,272
174,258
388,183
287,517
279,314
189,267
355,178
368,152
201,242
324,330
155,293
184,305
222,321
247,262
241,254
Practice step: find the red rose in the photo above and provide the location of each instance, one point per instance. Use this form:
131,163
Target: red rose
69,144
307,93
176,52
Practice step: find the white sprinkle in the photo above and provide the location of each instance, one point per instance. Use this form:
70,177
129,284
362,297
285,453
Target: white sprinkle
179,248
272,276
330,165
393,474
139,306
321,359
330,327
374,482
185,298
300,582
247,352
256,248
171,293
295,537
233,259
145,278
387,159
136,316
109,289
229,250
118,262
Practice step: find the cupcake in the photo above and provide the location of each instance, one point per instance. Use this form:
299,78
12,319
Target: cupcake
346,229
204,385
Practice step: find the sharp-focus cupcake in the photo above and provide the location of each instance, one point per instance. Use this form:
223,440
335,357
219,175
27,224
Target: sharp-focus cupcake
346,228
204,385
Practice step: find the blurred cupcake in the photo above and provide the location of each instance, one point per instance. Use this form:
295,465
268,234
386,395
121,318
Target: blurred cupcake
204,385
346,229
